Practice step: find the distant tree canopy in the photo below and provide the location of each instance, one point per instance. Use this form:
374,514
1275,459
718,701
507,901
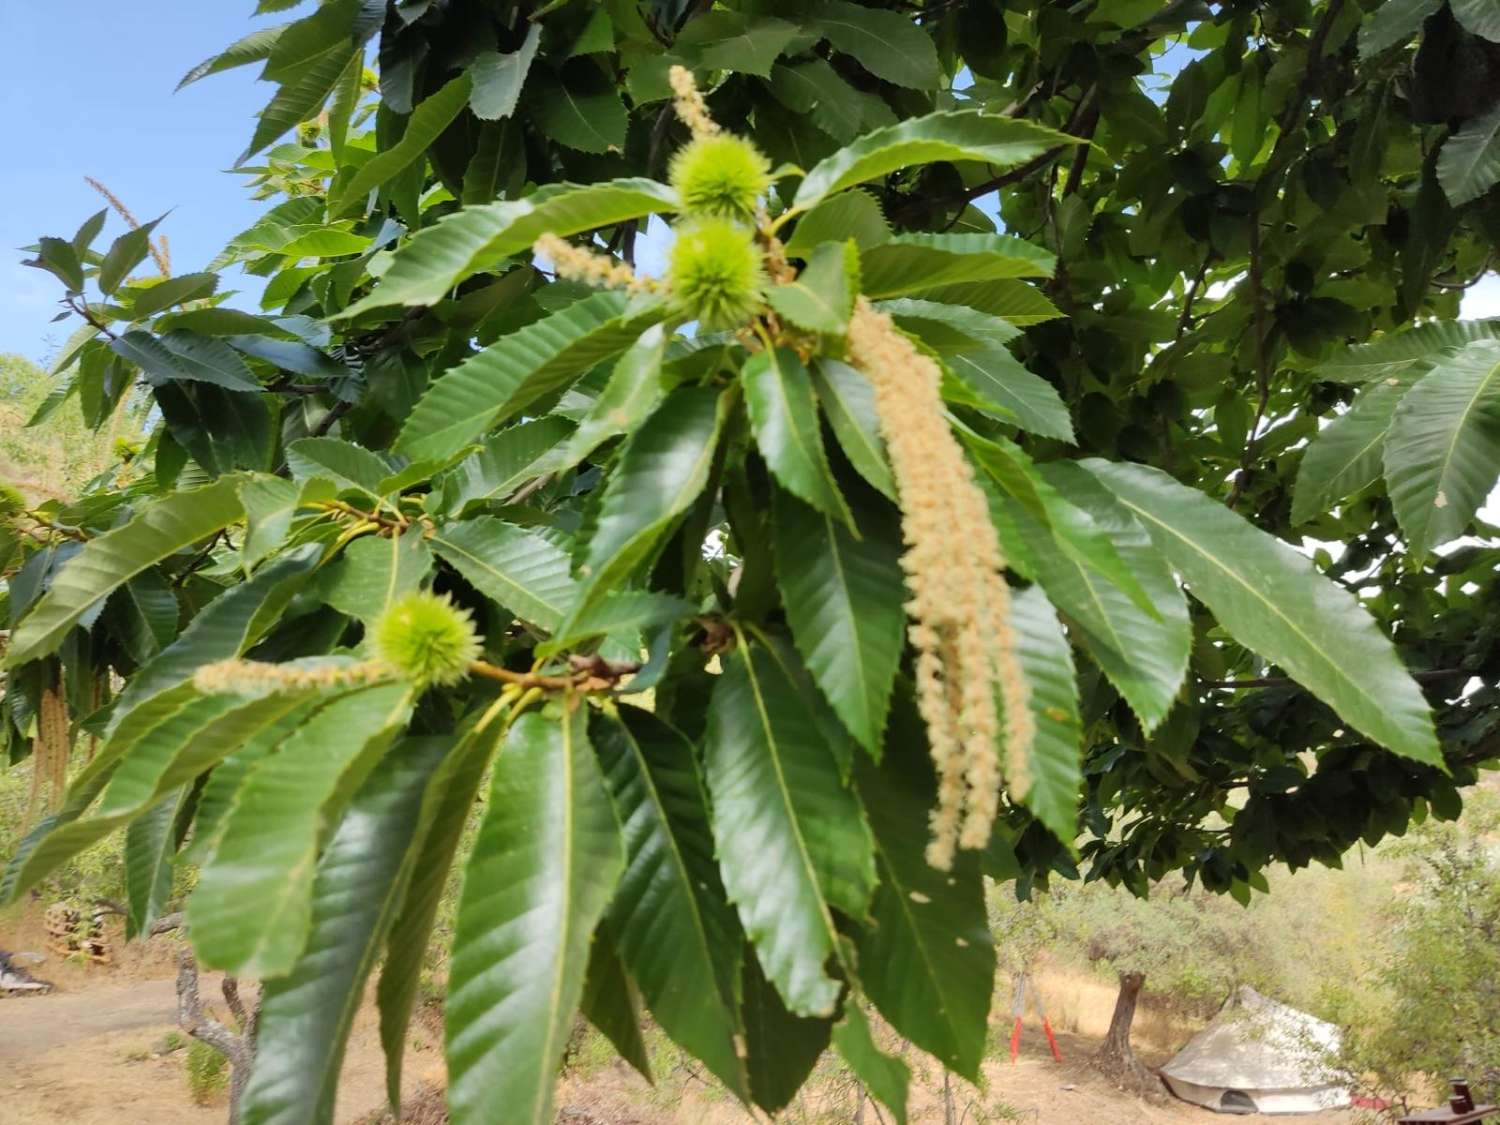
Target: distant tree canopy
944,491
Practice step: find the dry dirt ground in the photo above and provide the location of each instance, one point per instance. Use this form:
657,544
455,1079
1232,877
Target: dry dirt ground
92,1053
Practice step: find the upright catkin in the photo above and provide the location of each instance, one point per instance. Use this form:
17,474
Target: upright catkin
960,601
692,110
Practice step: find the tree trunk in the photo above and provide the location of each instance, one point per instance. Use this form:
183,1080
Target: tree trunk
1115,1057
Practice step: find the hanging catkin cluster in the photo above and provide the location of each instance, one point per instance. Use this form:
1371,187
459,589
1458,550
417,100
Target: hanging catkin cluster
578,263
960,602
49,776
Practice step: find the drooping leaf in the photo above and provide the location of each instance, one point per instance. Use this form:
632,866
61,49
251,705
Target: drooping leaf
1144,653
926,958
444,814
161,529
1469,163
442,255
793,843
781,1047
344,463
545,863
886,1078
673,928
305,1017
150,843
1274,602
1442,454
1054,760
960,135
610,1002
661,471
252,910
844,600
300,98
500,381
784,416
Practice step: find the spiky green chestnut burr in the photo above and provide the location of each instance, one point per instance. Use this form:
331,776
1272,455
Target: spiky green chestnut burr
715,274
720,175
427,639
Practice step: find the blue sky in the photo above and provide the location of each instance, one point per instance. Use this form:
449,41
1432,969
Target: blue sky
87,91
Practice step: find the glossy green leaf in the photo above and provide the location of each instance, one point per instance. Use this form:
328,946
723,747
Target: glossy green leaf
162,745
424,126
581,108
442,820
1393,22
150,844
852,215
1143,651
610,1002
911,263
496,384
506,461
1397,352
545,863
781,1048
926,958
300,98
954,135
252,910
498,77
522,569
305,1017
844,599
124,254
374,571
821,297
1469,163
793,842
1443,451
675,932
1346,455
997,377
345,464
634,389
660,472
886,43
150,300
1054,759
442,255
160,530
848,401
194,358
784,416
724,39
950,328
1273,601
1018,302
251,48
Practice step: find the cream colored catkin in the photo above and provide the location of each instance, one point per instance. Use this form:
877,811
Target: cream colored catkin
692,110
578,263
960,601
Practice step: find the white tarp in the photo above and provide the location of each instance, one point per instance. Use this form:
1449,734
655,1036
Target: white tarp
1259,1056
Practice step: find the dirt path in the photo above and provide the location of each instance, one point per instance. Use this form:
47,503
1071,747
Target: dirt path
34,1024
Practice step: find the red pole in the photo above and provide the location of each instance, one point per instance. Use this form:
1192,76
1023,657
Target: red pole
1015,1042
